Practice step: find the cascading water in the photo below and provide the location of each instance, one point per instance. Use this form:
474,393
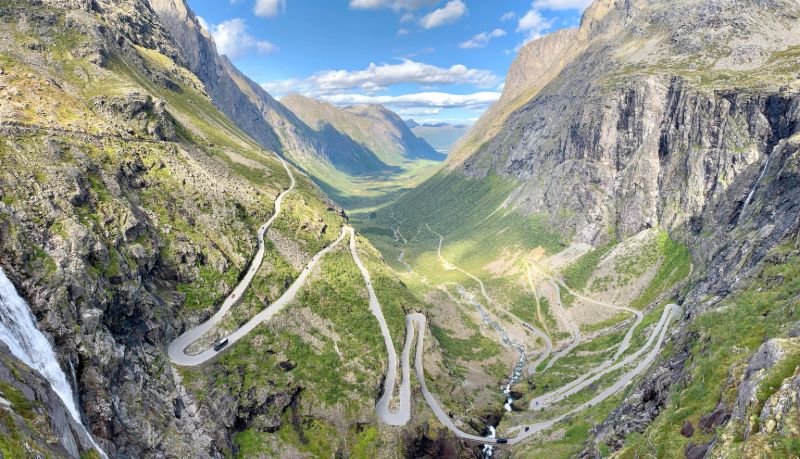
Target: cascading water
516,374
753,190
488,449
18,330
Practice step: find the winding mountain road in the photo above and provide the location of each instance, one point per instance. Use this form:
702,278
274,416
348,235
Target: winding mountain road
382,408
607,367
400,413
415,323
177,349
448,265
623,346
574,329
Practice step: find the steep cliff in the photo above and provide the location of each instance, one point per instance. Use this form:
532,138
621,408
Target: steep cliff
680,116
334,153
200,56
129,208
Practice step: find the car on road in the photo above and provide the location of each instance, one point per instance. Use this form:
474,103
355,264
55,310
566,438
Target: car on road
220,344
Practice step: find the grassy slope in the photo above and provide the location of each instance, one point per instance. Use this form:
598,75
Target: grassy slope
726,338
459,208
217,222
370,181
477,231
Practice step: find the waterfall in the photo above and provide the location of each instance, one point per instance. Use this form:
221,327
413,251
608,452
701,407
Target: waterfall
18,330
753,190
488,449
516,373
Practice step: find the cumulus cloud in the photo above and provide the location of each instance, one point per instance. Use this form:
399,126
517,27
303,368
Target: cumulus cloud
379,77
482,39
561,4
203,23
364,86
533,24
418,111
508,16
234,41
448,14
280,87
420,100
396,5
269,8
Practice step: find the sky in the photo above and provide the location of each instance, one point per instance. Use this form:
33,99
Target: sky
428,60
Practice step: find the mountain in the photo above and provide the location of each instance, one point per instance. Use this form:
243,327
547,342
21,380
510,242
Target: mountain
322,151
131,207
671,122
607,266
442,136
378,129
342,157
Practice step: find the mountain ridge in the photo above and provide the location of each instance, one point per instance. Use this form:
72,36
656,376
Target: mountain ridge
377,128
635,165
332,156
634,123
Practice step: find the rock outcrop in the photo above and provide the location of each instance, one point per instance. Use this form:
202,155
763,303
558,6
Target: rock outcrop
678,115
128,207
33,419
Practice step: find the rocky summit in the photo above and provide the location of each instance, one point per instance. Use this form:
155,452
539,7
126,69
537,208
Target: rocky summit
597,256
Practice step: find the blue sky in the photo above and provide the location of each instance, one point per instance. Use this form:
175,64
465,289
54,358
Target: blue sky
431,60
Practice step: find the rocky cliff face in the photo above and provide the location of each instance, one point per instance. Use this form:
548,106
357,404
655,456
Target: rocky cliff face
655,114
128,207
199,53
640,137
320,145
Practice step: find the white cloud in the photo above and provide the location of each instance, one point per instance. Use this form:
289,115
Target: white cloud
358,87
441,100
508,16
533,24
561,4
482,39
451,12
203,22
426,50
280,87
396,5
269,8
418,111
378,77
234,41
402,31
